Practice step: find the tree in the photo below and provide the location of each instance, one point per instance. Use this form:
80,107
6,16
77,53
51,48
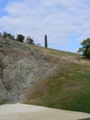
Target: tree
20,38
45,37
5,35
30,40
85,50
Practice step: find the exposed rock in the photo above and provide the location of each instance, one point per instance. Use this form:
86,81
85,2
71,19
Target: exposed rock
20,68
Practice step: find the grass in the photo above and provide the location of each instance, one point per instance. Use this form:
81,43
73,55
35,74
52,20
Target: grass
85,119
69,86
4,101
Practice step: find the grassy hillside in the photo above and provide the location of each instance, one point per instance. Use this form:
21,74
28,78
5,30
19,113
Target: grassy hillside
67,88
85,119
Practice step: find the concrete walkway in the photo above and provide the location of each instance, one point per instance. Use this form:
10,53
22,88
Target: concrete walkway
30,112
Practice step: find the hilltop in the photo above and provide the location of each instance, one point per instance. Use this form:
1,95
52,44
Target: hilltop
42,76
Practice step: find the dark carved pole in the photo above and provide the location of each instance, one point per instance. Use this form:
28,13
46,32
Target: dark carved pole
46,41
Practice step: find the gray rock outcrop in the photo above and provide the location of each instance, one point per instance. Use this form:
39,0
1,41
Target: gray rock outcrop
20,68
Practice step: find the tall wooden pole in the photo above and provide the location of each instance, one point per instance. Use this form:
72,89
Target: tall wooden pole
45,40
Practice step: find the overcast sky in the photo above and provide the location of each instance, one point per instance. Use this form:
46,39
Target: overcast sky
66,22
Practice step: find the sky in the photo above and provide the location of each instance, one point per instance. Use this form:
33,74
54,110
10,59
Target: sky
66,22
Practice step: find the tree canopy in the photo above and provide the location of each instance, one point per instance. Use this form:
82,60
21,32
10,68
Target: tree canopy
85,49
5,35
30,40
20,38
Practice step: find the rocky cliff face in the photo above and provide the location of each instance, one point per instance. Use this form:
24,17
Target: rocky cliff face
21,66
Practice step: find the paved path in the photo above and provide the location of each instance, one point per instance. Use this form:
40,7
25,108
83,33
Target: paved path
30,112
